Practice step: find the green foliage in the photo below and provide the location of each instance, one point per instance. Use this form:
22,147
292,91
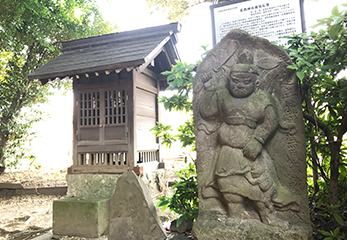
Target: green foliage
30,35
186,135
177,103
18,146
319,59
180,78
185,199
332,235
163,132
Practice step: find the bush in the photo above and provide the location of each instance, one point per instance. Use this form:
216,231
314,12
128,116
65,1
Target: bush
185,199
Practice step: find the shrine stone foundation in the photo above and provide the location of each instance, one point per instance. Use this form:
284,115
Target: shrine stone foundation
84,212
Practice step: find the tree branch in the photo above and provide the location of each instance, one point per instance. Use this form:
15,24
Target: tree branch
343,128
315,158
29,56
321,125
321,50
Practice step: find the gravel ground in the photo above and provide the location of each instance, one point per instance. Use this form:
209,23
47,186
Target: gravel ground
25,217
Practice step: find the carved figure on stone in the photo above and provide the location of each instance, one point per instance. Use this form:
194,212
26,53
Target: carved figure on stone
248,117
248,129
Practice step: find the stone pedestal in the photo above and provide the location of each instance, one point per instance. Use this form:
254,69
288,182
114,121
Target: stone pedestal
85,210
80,217
223,228
89,195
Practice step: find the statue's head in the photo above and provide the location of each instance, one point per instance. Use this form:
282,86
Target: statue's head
243,80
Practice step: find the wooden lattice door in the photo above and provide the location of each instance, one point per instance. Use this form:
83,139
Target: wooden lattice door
102,127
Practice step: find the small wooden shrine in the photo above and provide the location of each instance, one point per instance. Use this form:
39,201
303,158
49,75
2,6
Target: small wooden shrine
116,81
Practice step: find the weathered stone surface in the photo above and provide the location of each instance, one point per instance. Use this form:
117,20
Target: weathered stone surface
104,185
156,182
178,236
233,229
84,188
185,226
132,212
91,185
250,143
80,217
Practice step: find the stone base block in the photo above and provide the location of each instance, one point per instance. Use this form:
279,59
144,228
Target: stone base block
235,229
91,185
80,217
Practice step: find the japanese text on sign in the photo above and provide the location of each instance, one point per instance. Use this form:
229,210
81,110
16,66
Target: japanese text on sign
268,19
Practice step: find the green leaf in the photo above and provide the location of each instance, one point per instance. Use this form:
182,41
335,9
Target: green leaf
166,73
338,20
338,219
334,31
325,233
343,95
335,11
163,203
293,67
300,75
179,81
170,77
179,221
336,231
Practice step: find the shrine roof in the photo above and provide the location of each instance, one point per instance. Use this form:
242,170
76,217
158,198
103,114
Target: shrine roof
137,48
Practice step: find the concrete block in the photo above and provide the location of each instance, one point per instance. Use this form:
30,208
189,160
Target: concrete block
80,217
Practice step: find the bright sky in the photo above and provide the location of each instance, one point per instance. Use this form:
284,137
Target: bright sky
134,14
196,30
53,148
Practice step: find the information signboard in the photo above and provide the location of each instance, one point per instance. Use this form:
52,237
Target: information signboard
268,19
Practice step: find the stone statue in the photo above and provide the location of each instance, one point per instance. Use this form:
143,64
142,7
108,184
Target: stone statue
250,141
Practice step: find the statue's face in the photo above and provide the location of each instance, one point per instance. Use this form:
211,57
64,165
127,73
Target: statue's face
242,84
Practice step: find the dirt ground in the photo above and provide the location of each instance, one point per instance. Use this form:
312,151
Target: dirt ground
26,217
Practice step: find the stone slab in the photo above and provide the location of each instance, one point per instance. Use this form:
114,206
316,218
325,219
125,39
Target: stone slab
233,229
91,185
132,212
80,217
104,185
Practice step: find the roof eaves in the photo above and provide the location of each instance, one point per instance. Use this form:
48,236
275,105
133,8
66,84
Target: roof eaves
64,74
154,53
120,37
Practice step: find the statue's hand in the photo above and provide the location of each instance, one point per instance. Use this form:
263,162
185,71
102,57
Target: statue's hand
252,149
246,169
209,86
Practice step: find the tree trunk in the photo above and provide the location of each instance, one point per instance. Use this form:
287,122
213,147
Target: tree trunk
334,173
4,141
314,165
